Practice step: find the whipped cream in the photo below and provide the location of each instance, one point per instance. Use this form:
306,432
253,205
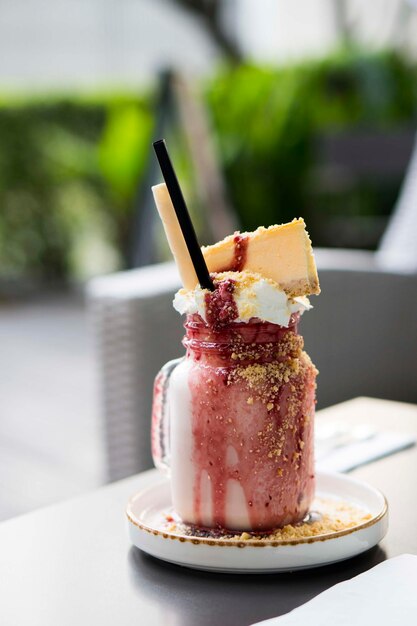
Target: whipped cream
254,296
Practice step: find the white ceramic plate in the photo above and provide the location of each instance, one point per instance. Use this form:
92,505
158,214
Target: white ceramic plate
147,527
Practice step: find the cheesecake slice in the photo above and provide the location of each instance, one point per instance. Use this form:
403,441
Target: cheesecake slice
282,253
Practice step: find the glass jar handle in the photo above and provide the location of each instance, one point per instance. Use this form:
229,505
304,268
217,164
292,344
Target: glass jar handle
160,417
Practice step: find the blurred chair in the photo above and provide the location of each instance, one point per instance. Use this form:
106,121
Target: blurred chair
136,331
361,334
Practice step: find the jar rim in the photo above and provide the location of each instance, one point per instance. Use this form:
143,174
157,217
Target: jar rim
199,335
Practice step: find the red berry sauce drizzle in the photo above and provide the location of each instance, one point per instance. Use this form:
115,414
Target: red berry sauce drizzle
240,253
221,307
253,395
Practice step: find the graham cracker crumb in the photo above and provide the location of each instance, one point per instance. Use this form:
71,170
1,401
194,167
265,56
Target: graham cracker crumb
245,536
328,516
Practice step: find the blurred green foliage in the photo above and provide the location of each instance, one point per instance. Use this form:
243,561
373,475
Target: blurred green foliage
70,168
68,173
267,121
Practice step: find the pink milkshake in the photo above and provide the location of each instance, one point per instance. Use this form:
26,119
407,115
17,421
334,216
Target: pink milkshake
240,408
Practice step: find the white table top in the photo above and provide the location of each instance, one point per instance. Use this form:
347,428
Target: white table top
71,564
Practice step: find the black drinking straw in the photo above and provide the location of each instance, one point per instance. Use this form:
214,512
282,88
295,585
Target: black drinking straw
182,214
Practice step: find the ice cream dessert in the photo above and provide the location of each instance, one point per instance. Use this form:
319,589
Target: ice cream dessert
240,297
241,402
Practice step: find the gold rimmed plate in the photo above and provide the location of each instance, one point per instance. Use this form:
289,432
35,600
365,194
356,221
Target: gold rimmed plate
348,518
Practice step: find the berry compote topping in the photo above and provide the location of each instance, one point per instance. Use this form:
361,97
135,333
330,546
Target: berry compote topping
221,308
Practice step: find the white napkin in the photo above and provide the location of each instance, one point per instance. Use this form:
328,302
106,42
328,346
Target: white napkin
385,596
346,458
